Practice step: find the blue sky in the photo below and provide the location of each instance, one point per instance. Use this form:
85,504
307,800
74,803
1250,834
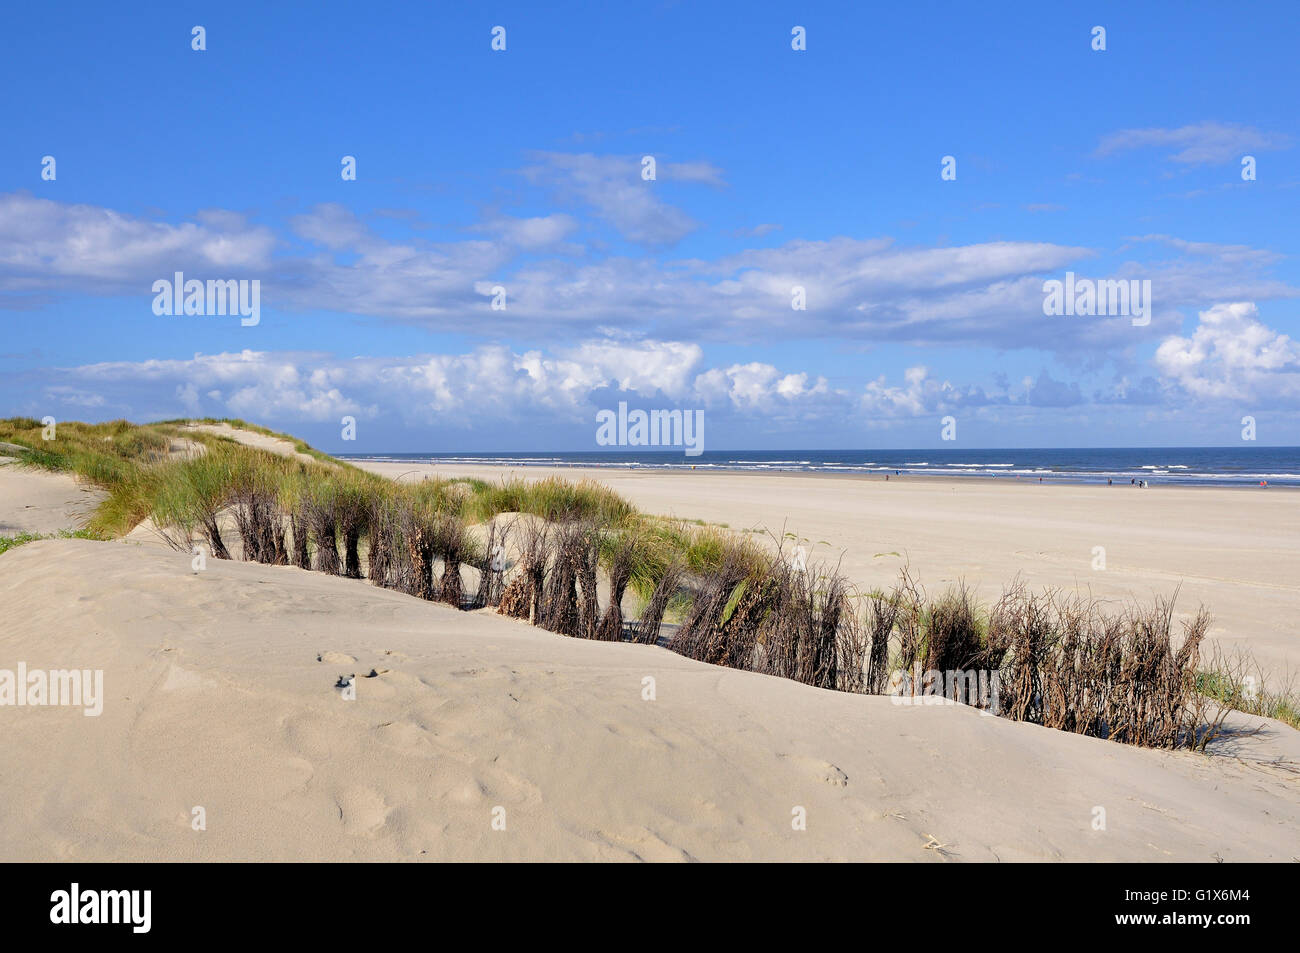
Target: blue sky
774,168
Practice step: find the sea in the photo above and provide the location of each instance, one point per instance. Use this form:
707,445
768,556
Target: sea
1207,466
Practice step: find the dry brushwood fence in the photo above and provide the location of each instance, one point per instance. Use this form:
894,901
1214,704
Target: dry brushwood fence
1056,659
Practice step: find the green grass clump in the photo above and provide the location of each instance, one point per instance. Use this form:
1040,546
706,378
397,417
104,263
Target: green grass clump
1249,695
11,542
553,499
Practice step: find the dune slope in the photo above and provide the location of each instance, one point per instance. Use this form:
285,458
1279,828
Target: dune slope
36,501
219,694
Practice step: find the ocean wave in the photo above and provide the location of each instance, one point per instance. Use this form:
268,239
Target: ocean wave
1225,468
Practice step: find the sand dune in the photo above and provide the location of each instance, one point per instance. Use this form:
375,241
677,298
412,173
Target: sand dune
215,697
251,438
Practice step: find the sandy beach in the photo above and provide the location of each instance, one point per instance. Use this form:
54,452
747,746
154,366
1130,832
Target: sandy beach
477,737
1235,550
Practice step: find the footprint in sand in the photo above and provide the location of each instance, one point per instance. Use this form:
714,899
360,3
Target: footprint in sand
403,735
362,810
644,844
338,658
822,770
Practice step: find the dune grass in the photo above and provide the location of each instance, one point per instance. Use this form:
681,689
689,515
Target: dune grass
1230,684
10,542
